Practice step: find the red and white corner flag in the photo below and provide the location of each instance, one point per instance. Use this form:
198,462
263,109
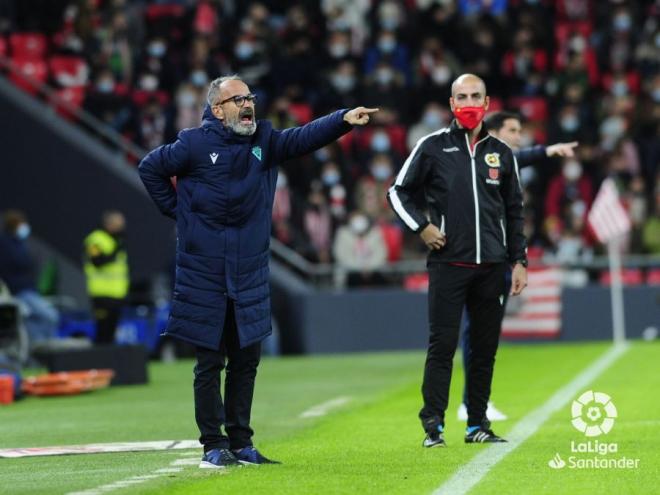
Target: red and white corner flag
607,217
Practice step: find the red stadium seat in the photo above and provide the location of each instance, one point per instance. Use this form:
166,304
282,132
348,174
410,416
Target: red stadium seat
68,71
653,276
532,108
302,112
159,11
141,97
393,237
74,96
28,45
496,104
36,70
417,282
629,276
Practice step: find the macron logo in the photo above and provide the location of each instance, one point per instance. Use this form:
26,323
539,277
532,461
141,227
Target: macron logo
449,150
214,157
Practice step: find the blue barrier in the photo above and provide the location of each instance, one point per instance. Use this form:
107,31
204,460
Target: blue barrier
137,325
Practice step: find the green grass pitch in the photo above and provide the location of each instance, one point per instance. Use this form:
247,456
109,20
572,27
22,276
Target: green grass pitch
369,445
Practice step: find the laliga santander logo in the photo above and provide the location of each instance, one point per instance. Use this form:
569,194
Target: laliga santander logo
593,413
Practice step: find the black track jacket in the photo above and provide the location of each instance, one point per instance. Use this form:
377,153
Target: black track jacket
473,196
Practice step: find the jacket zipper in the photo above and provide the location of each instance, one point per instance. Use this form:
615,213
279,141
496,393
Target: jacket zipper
442,224
476,196
503,232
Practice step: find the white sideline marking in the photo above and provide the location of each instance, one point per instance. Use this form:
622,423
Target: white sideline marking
185,462
471,473
96,448
135,480
324,408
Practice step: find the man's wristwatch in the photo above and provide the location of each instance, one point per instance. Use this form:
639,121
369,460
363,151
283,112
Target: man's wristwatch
522,262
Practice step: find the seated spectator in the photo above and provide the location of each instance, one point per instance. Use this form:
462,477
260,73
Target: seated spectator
359,249
567,187
18,269
317,225
434,117
371,190
572,246
108,101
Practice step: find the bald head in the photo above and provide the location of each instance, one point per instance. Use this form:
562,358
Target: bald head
467,81
468,90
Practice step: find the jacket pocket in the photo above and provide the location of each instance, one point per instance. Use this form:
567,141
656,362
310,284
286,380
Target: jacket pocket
503,232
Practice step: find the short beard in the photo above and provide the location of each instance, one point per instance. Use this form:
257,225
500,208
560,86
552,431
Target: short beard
242,129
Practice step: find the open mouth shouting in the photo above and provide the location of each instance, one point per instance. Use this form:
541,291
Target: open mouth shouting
246,117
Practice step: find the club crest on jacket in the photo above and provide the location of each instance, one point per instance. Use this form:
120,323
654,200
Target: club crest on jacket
492,159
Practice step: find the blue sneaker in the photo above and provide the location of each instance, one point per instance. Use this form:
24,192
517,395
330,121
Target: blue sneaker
251,456
218,459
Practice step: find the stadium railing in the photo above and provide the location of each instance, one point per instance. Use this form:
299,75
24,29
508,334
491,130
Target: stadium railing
50,95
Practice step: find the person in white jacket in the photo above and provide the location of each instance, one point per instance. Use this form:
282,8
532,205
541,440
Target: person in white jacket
359,248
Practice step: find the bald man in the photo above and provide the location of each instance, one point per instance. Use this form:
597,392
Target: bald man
473,195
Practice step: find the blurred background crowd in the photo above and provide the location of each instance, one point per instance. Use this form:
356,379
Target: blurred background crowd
575,70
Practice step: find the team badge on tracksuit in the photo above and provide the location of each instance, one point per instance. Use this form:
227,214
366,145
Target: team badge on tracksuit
493,162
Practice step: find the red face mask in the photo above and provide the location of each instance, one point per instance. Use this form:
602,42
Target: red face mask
469,117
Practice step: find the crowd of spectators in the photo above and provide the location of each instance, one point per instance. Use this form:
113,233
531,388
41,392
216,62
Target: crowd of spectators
581,70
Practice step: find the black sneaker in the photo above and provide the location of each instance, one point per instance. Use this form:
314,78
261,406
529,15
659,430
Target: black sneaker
218,459
251,456
434,439
483,434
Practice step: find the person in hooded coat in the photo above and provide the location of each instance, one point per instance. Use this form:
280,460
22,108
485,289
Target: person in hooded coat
226,171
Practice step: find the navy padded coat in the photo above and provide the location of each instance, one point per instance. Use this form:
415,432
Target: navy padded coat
222,205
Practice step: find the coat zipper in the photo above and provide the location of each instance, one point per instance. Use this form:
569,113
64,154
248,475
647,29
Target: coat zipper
442,224
503,232
476,196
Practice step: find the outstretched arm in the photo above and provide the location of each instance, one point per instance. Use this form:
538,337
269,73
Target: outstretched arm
532,154
562,149
297,141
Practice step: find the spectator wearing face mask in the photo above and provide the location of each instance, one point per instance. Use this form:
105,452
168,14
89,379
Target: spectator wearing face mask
317,225
157,60
108,102
340,87
154,126
251,59
18,270
434,117
371,190
436,67
388,48
359,249
569,186
571,244
189,102
386,87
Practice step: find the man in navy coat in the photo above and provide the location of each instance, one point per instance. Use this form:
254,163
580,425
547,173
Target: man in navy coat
226,171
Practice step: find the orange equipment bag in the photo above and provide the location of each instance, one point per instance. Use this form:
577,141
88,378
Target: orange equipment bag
67,382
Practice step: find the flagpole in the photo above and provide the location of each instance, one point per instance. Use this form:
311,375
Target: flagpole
616,290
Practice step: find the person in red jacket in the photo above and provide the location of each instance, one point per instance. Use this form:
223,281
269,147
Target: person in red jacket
568,187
